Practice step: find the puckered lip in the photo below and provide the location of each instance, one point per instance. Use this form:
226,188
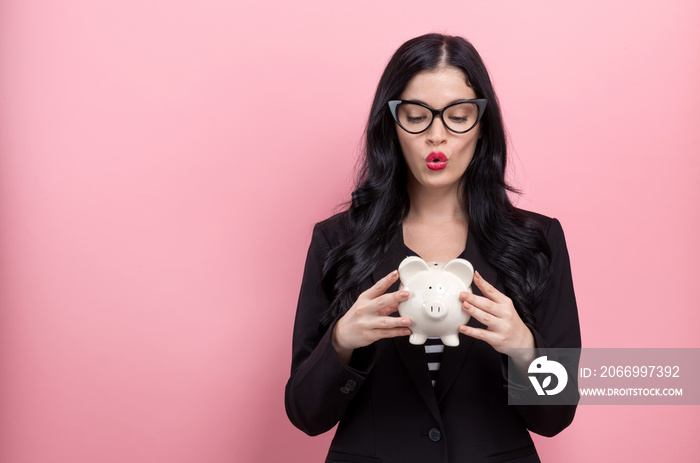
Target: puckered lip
436,157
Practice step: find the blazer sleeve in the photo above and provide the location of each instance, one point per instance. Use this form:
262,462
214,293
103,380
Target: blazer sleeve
557,326
320,387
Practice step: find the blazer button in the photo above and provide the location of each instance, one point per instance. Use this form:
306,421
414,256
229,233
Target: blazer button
434,434
351,385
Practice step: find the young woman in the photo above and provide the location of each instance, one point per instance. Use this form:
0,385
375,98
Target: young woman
432,185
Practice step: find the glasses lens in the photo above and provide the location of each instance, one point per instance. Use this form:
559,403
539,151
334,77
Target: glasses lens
414,118
461,117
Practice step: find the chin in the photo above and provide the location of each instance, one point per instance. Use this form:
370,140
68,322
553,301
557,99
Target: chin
439,185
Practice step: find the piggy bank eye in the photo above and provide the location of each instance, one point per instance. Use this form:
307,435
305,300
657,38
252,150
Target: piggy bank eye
441,288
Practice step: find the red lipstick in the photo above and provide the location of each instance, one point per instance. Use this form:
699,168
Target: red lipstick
436,161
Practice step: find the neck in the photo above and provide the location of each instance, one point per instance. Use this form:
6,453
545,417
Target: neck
435,205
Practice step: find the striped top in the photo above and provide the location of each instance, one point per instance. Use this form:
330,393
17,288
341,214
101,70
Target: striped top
433,353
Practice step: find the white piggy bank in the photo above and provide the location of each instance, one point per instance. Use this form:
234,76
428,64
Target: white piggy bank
434,306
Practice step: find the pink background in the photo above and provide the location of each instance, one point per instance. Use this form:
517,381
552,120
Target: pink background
162,164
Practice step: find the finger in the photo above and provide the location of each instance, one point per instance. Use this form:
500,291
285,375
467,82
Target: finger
388,310
387,300
382,285
482,303
390,333
382,323
487,318
490,337
488,290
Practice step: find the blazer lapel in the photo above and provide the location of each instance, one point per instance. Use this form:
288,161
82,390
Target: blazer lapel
452,360
414,359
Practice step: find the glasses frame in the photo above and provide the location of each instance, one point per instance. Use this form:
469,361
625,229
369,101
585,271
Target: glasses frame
479,102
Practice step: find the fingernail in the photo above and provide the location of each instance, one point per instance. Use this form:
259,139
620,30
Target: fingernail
403,293
406,321
476,275
394,273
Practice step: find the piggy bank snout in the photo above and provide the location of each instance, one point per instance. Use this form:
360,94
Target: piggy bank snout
435,308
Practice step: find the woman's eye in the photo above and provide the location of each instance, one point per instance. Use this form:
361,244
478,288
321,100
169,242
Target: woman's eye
459,120
415,119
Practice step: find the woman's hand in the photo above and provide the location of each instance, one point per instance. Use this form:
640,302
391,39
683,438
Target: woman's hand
504,327
368,319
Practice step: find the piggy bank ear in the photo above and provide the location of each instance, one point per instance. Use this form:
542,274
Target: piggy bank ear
410,267
462,268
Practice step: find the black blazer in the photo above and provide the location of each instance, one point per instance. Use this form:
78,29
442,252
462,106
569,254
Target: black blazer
384,402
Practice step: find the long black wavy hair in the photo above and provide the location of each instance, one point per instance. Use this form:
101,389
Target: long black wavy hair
509,240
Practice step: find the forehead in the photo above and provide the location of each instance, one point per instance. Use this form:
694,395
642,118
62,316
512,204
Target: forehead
438,88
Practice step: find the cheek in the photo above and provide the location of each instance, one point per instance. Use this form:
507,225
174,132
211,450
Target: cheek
469,146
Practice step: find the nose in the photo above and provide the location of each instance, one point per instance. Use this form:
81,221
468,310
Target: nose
437,132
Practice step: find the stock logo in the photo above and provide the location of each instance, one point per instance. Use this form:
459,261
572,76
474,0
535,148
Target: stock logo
542,366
